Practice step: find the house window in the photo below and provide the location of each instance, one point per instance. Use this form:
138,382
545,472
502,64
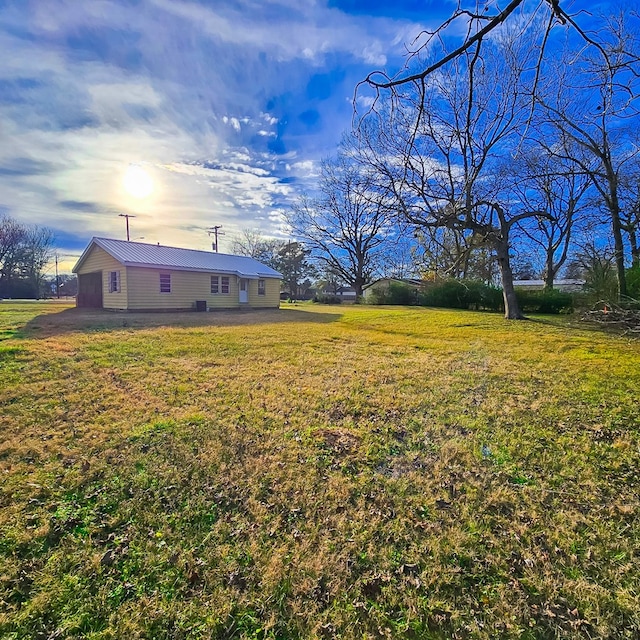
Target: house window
225,284
114,281
165,283
215,284
261,288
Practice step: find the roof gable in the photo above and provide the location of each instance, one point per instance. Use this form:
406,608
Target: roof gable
140,254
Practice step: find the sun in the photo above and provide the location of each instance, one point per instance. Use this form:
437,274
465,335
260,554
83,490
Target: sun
137,182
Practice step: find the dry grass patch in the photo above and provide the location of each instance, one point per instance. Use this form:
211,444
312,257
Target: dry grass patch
316,472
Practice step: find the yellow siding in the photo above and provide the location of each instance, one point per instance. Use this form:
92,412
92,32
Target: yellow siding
99,260
189,286
270,299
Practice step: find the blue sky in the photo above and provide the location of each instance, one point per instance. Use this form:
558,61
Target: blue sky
227,106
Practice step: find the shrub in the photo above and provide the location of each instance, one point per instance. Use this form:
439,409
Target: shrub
546,301
633,282
325,298
395,293
463,294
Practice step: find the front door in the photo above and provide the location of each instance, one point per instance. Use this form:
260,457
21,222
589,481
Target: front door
244,295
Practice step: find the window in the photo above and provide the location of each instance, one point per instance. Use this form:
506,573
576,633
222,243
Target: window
165,283
261,288
219,284
114,281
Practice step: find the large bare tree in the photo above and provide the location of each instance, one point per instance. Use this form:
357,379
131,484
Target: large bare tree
347,226
440,145
591,98
557,186
473,24
597,78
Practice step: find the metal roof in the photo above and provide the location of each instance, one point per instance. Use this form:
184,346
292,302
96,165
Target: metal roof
140,254
532,283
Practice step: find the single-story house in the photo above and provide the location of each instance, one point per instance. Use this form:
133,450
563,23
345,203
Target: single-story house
383,284
568,285
135,276
344,293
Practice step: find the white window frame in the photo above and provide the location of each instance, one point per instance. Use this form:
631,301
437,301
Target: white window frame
165,283
262,288
114,282
225,285
215,285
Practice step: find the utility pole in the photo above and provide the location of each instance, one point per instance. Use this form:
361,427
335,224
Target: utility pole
126,216
215,230
57,278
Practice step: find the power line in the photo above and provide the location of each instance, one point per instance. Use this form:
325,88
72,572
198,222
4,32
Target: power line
215,230
126,216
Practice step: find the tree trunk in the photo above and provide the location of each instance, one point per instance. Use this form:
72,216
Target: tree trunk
511,307
549,273
635,251
616,225
619,253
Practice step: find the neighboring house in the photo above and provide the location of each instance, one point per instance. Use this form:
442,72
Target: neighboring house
134,276
569,285
344,293
383,283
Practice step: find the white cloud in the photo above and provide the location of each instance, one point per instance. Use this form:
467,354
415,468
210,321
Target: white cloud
305,169
234,122
308,31
203,95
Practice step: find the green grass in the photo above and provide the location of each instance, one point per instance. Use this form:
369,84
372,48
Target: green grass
316,472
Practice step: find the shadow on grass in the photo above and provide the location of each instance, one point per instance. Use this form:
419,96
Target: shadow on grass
89,320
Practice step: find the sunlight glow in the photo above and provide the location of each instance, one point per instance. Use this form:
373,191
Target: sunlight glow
137,182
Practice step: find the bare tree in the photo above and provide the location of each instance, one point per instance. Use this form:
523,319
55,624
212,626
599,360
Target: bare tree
348,224
441,144
36,253
25,251
441,252
478,23
592,101
253,244
12,236
556,186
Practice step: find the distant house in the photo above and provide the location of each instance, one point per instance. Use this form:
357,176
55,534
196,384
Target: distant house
344,293
134,276
568,285
383,284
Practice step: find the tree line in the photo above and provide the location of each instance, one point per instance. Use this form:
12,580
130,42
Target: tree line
491,155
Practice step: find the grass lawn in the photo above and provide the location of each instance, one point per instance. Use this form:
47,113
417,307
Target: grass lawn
316,472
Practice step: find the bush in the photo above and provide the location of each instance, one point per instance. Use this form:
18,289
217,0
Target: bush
395,293
463,294
546,301
327,299
633,282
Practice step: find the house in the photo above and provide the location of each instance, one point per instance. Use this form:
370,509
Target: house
135,276
382,284
568,285
343,294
